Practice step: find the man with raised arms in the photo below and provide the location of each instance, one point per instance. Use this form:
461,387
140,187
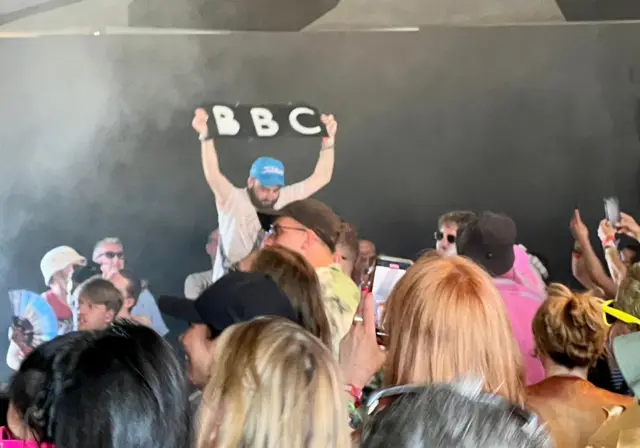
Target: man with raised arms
239,225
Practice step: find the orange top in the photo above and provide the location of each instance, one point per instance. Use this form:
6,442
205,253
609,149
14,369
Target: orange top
572,408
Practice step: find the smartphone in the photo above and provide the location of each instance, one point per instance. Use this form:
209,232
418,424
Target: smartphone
612,210
387,271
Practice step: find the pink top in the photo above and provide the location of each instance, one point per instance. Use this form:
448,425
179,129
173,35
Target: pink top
7,441
526,275
521,306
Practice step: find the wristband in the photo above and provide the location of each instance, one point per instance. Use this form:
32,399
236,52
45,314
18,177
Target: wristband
608,241
355,393
355,419
204,136
576,254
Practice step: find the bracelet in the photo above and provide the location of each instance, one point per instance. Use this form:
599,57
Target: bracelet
608,242
576,254
324,148
204,136
355,393
355,419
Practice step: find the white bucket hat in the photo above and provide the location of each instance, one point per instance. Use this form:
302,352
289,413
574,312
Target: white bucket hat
58,259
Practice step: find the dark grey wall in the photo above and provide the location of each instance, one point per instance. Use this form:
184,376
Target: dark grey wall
95,137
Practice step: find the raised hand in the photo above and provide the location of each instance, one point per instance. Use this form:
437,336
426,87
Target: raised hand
360,355
606,232
199,122
331,125
629,226
579,230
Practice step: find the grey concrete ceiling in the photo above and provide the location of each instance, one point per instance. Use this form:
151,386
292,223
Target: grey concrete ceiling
31,15
398,13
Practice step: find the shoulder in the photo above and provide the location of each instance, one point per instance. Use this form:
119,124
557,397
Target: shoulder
142,320
237,196
146,297
199,277
339,284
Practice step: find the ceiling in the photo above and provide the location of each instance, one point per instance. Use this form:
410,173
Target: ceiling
295,15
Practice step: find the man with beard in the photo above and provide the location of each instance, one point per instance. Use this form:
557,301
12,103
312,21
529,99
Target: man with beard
240,228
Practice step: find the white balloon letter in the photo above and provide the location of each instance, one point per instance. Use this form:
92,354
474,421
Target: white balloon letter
263,122
226,124
295,124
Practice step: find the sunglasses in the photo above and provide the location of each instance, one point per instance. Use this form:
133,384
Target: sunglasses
277,229
387,396
111,255
610,315
439,236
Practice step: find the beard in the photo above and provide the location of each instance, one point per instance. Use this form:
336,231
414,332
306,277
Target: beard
266,206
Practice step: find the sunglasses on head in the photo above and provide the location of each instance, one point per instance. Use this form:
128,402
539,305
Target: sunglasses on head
450,238
111,255
385,397
610,315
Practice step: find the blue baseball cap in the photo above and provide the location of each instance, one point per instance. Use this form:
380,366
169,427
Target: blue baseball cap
268,171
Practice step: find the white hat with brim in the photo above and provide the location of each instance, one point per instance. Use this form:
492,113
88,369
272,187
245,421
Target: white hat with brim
58,259
625,350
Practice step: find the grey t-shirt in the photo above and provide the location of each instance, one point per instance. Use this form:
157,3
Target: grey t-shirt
147,306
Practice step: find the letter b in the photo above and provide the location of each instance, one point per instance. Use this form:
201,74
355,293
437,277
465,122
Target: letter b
225,121
263,122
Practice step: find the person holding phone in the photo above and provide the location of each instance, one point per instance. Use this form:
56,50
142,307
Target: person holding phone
240,226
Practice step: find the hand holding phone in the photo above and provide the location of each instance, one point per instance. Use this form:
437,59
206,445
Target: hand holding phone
387,272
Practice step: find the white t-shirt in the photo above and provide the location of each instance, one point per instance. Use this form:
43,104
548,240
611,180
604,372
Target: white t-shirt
240,228
196,283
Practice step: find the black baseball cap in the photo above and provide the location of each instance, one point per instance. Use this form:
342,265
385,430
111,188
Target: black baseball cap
311,213
488,240
235,297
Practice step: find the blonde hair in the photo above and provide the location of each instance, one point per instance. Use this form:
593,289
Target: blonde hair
569,328
628,297
273,385
446,319
298,280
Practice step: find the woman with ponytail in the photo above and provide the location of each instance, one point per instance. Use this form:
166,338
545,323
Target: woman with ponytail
570,333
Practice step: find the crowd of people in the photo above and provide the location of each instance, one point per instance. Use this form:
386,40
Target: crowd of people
475,348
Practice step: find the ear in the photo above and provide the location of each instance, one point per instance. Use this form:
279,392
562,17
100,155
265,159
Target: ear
128,303
109,317
250,182
336,257
309,241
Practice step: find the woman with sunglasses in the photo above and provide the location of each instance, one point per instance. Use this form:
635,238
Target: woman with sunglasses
570,334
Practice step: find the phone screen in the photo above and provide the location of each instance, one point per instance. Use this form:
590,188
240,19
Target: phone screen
612,210
388,271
